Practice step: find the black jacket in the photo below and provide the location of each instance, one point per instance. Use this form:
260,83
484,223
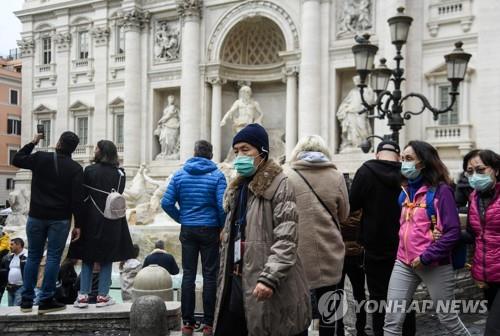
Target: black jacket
375,190
55,194
163,259
5,268
102,240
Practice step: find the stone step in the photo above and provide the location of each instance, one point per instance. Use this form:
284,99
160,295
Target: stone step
75,321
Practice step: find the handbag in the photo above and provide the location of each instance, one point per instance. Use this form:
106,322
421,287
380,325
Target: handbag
319,198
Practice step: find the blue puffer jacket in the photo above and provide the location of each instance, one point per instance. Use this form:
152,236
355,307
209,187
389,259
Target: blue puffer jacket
199,189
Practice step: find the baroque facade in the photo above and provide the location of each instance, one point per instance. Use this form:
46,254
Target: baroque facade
105,69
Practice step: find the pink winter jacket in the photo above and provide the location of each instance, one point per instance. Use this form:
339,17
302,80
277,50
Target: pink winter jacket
415,235
486,261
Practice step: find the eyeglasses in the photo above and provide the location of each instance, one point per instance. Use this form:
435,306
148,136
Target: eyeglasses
477,170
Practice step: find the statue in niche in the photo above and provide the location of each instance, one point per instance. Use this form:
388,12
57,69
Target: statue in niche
168,131
355,17
167,45
19,201
244,111
355,127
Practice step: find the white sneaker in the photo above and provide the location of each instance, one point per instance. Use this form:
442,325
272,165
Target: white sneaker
82,301
103,301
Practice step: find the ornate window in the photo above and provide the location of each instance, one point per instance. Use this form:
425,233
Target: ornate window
83,45
448,118
255,41
116,108
82,114
44,116
46,50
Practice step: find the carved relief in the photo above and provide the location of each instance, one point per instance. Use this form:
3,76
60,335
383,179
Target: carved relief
135,19
167,41
189,8
100,35
27,46
62,41
355,16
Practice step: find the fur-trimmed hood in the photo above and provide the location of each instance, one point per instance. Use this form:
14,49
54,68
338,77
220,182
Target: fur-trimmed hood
260,183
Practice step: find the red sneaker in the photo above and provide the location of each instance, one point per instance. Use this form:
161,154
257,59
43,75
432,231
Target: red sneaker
208,331
187,330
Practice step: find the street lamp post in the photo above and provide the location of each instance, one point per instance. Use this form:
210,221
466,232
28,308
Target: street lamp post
390,104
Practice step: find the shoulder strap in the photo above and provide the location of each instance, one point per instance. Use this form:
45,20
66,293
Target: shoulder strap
55,163
319,198
429,206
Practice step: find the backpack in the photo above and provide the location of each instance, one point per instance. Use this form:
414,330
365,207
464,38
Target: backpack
459,252
116,205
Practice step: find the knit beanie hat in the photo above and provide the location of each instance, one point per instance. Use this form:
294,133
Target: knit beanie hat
255,135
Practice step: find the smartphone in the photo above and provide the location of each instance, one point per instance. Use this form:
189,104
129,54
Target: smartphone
40,129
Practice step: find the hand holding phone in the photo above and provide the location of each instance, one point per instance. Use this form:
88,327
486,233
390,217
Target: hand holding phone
40,129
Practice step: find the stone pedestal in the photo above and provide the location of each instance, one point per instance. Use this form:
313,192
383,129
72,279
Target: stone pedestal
153,280
147,317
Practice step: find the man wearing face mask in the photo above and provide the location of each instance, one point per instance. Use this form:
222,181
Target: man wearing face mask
262,289
375,189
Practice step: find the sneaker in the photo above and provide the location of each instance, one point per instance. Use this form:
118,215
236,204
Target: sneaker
103,301
208,330
50,305
26,306
82,301
187,330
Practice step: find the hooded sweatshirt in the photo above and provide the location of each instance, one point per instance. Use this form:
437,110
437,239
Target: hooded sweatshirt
195,194
375,189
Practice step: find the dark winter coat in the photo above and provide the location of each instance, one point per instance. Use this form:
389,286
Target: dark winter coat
163,259
5,267
198,188
54,194
375,189
102,240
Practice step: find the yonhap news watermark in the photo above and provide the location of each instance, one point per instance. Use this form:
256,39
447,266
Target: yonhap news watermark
333,306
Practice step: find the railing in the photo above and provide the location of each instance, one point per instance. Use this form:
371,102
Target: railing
83,64
46,68
84,151
448,133
450,9
119,148
120,58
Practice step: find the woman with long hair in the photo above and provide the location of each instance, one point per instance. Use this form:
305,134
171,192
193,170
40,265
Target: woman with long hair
102,240
323,204
482,168
427,204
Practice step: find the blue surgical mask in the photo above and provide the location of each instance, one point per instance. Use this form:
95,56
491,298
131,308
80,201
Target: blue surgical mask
480,182
244,165
409,170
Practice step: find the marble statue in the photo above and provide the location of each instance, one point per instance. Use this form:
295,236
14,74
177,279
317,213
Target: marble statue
167,42
244,111
355,127
168,131
134,193
355,17
19,201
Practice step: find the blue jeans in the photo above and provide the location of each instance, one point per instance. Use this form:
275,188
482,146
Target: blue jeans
202,241
14,297
39,232
104,278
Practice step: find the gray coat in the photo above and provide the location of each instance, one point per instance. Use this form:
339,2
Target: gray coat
270,256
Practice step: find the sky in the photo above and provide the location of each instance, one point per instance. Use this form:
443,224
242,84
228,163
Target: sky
10,26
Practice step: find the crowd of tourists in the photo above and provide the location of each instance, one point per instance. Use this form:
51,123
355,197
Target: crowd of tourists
277,242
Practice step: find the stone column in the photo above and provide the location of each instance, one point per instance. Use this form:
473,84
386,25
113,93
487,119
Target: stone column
97,129
310,70
62,42
27,48
291,110
190,115
216,116
133,22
